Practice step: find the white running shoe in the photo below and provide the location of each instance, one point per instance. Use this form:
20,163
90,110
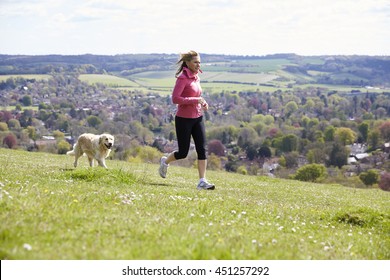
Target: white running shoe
163,167
204,185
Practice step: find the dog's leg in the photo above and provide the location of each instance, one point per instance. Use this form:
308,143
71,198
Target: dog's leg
77,155
90,159
102,163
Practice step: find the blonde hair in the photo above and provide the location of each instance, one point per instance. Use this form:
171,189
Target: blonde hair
184,57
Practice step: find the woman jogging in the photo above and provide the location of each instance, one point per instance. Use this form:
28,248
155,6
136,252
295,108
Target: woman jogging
189,117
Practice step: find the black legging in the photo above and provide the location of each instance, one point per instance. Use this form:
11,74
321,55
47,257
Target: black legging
186,127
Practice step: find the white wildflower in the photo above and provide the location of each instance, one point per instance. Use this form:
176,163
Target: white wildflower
233,212
326,248
293,229
254,241
27,246
280,228
274,241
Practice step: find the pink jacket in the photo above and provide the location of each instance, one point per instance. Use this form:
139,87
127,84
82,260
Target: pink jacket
186,95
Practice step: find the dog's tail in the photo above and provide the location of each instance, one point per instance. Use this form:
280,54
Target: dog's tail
72,153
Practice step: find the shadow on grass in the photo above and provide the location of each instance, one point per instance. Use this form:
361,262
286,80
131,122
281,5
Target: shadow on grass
99,175
159,184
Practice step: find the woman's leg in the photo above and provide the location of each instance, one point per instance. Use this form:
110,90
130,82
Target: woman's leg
183,134
199,136
202,164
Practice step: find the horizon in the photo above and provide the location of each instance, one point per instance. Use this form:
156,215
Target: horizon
219,27
209,54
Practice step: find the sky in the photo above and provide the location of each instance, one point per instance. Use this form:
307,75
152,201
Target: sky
230,27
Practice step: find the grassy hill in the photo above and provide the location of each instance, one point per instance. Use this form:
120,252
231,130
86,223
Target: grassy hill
49,210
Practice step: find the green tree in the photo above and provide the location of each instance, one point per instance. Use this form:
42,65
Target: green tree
264,152
373,139
370,177
32,133
26,100
345,135
291,159
282,161
310,173
290,108
94,121
363,129
329,133
289,143
338,155
14,124
246,136
63,146
214,162
58,135
242,170
3,126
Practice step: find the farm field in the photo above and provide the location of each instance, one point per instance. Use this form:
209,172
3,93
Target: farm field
26,76
49,210
109,80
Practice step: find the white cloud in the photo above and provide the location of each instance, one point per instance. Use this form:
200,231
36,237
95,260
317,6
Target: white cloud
214,26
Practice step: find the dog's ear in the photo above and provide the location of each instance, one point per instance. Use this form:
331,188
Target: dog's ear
101,138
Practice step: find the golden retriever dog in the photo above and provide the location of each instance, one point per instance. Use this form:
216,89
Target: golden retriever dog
96,147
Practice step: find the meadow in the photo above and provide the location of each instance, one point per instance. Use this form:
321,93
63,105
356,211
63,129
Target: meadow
109,80
46,77
50,210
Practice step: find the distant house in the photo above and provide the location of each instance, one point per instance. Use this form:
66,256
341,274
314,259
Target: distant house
352,160
357,148
361,156
386,147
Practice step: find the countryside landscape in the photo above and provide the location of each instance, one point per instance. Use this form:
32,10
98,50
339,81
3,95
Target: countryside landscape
299,149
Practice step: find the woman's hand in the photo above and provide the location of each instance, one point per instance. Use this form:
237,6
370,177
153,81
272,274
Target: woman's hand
203,103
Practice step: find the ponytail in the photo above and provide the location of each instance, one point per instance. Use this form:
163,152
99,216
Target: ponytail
184,57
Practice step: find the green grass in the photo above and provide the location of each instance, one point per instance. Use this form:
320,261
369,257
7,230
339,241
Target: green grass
109,80
245,65
164,81
49,210
10,108
25,76
216,79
